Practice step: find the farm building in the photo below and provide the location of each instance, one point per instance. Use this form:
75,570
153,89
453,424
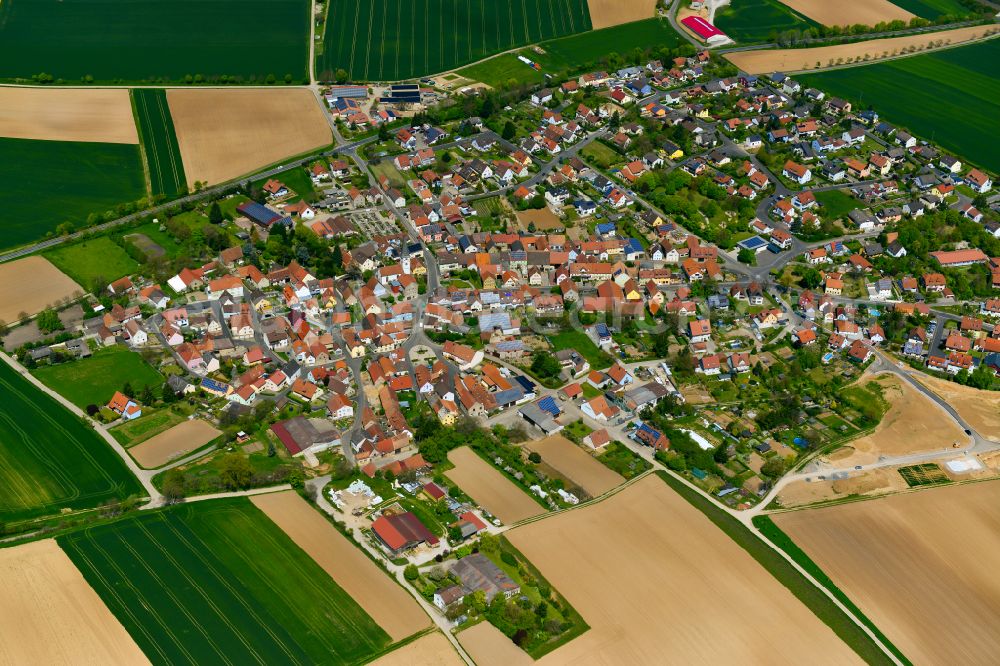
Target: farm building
704,30
478,573
402,531
300,434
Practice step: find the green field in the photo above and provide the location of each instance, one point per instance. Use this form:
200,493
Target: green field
395,40
91,259
218,582
95,379
759,20
159,140
950,97
164,238
298,181
49,458
131,433
932,9
836,203
154,40
51,182
582,343
927,474
576,53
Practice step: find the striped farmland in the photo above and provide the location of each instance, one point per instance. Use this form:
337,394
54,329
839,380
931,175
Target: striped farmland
159,141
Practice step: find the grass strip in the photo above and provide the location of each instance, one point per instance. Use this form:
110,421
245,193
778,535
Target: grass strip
813,598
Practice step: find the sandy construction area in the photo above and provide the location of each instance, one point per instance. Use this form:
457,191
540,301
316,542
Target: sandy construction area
849,12
793,60
912,424
922,566
489,647
869,484
54,114
181,439
653,577
50,615
576,464
430,650
30,285
981,409
605,13
491,489
228,133
383,599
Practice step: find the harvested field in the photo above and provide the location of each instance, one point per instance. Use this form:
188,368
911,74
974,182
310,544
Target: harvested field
794,60
679,567
489,647
50,615
30,285
606,13
981,409
543,218
430,650
576,464
383,599
491,489
913,424
224,134
181,439
103,116
920,565
850,12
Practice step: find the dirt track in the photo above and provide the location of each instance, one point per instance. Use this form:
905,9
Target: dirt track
50,615
792,60
430,650
980,408
382,598
656,581
228,133
181,439
30,285
849,12
491,489
922,566
605,13
576,464
102,115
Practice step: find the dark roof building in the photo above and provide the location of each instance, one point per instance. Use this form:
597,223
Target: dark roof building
402,531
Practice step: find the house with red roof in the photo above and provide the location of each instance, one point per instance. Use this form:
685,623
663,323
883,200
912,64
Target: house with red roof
402,531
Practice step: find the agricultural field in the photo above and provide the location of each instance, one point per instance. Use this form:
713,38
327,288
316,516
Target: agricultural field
50,615
575,464
849,12
607,13
73,178
102,116
396,40
89,260
981,409
491,489
49,458
959,84
159,141
927,474
920,565
581,342
219,582
489,647
432,649
679,567
178,441
31,284
224,134
155,41
932,9
138,430
93,380
574,53
759,20
388,604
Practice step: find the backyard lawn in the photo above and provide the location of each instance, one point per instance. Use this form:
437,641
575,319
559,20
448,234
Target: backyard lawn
582,343
95,379
91,259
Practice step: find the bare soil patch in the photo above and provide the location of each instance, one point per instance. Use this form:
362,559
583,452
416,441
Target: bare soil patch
383,599
577,465
182,439
913,424
644,559
50,615
793,60
489,647
849,12
543,218
491,489
430,650
606,13
921,566
224,134
981,409
103,115
30,285
868,484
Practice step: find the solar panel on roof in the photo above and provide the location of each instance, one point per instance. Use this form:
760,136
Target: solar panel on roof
548,404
